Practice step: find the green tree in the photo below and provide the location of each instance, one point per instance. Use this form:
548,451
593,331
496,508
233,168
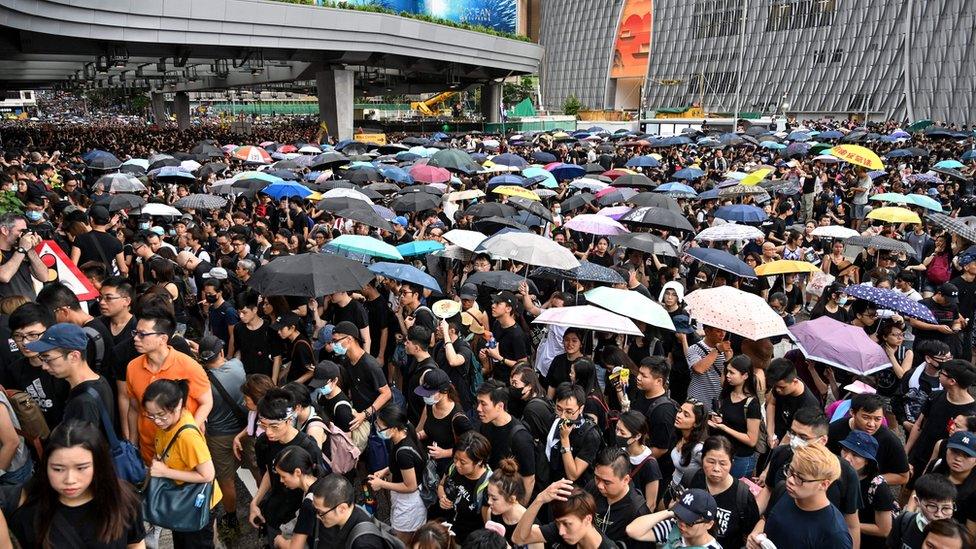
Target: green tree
572,105
514,93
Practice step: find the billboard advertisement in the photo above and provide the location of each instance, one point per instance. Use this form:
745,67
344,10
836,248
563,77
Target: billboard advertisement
633,43
499,15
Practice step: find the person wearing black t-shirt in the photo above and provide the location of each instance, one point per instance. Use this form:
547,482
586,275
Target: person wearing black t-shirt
508,436
328,395
98,245
866,415
573,440
342,307
737,513
274,504
334,501
378,318
617,502
739,415
511,343
653,401
255,343
574,508
957,377
789,394
368,388
403,476
860,450
454,355
415,344
28,323
299,359
559,368
443,421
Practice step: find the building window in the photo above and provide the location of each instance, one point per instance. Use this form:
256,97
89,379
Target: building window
800,14
711,83
713,18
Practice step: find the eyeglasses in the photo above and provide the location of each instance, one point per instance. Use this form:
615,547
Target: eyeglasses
790,473
563,411
321,514
794,434
870,315
136,334
48,359
32,336
109,297
268,425
405,292
936,509
156,417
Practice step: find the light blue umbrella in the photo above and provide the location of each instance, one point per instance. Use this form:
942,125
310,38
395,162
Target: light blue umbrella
506,179
172,171
394,173
642,162
419,247
923,201
951,164
631,304
772,145
405,273
286,188
365,245
548,180
677,190
688,173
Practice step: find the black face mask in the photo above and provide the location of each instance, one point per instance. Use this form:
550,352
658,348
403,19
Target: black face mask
210,298
622,442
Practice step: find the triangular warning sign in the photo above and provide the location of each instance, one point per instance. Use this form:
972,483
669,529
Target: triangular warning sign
61,269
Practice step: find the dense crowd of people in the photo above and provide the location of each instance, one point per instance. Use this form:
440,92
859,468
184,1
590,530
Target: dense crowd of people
450,395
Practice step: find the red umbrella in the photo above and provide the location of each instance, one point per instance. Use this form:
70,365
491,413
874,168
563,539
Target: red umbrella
429,174
287,149
614,174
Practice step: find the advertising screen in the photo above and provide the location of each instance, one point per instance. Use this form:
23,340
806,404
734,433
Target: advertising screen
499,15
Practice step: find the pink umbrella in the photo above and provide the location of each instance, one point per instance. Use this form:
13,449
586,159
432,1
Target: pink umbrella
429,174
596,224
615,212
839,345
228,148
590,318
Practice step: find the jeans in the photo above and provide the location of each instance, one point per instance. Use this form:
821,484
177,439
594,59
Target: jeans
20,476
743,466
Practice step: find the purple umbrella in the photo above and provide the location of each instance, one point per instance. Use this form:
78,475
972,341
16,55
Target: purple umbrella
839,345
596,224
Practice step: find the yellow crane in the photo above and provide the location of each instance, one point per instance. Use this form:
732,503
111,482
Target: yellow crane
427,108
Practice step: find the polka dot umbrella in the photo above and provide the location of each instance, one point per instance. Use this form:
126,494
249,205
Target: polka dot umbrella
735,311
893,301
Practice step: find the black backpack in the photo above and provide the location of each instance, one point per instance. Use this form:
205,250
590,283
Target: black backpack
541,460
375,528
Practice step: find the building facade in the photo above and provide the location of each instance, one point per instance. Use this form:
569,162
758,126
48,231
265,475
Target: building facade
903,59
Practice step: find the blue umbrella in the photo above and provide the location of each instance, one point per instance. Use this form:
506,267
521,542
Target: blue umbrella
172,171
405,273
677,189
286,188
951,164
548,180
772,145
542,157
721,259
419,247
567,171
798,136
506,179
394,173
688,173
832,134
797,149
743,213
892,300
899,153
642,162
710,194
509,159
969,155
439,136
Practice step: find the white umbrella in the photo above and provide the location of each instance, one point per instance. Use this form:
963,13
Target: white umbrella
342,192
190,165
631,304
310,149
590,318
834,231
531,249
465,195
160,209
827,158
141,162
468,240
591,185
729,231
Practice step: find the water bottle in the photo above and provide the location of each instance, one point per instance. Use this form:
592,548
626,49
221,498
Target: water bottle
198,503
492,343
369,501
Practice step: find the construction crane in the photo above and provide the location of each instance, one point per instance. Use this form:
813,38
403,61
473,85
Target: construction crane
427,108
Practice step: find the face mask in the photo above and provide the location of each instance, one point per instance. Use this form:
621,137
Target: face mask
431,400
172,232
797,442
622,442
921,521
325,390
842,301
338,349
211,298
385,435
515,394
34,215
144,226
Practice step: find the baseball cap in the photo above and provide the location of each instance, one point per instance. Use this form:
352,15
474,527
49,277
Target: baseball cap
324,371
60,336
469,291
963,441
505,296
217,273
435,381
401,221
861,444
695,505
950,292
324,337
99,214
347,328
210,347
286,320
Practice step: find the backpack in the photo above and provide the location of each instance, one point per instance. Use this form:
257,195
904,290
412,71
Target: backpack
876,482
95,337
474,374
344,454
938,270
762,443
541,459
610,429
375,528
429,481
358,436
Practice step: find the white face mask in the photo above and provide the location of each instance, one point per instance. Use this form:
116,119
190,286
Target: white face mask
797,442
431,400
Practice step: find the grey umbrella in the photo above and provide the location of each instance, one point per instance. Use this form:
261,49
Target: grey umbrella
490,209
116,202
415,202
500,280
587,272
120,183
310,275
576,202
532,206
658,217
645,242
200,202
365,214
881,243
655,199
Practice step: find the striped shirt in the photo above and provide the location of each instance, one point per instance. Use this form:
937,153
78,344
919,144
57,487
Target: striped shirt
705,386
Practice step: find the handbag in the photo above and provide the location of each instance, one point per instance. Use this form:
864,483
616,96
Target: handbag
128,463
181,507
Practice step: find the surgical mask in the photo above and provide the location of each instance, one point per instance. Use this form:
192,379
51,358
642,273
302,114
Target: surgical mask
172,232
144,226
842,301
431,400
210,298
921,521
325,390
797,443
385,435
34,215
622,442
338,349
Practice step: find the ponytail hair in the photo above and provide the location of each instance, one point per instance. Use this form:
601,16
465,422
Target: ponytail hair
507,479
394,417
168,394
296,457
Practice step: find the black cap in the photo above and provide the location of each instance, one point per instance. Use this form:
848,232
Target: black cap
950,293
435,381
324,371
287,320
469,291
963,441
695,505
347,328
99,214
210,347
506,296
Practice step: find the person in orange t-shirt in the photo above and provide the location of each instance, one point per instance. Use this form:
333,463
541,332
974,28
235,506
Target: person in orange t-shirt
154,328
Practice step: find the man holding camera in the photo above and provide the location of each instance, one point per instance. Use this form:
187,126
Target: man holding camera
18,260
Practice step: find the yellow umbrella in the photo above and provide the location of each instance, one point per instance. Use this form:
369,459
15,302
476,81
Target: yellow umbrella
656,156
512,190
785,266
894,214
855,154
755,177
314,196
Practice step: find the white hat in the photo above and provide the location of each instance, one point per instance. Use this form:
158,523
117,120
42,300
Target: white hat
217,273
678,289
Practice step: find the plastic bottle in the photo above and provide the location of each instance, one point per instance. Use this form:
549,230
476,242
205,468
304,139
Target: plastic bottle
369,501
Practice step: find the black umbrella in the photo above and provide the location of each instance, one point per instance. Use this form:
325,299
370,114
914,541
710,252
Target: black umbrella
634,180
211,167
333,184
104,161
534,207
328,160
205,150
251,184
364,175
501,280
576,202
881,243
416,141
659,200
287,165
310,275
339,203
415,202
355,147
494,224
382,187
489,209
133,169
645,242
116,202
200,202
543,157
658,217
429,189
593,167
366,215
163,162
392,148
951,172
587,272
